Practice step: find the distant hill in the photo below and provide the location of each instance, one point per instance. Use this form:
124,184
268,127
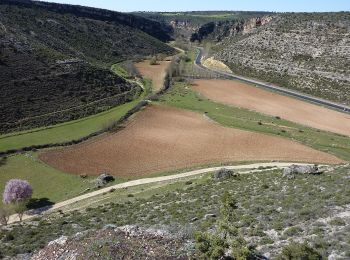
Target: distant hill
309,52
187,23
57,57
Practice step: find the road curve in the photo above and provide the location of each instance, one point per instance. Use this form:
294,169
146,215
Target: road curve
319,101
251,167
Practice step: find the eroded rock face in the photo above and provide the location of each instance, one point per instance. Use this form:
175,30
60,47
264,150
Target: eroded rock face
218,31
256,22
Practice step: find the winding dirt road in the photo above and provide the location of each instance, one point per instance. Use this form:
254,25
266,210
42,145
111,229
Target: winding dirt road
251,167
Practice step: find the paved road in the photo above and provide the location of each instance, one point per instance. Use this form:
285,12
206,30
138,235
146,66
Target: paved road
251,167
319,101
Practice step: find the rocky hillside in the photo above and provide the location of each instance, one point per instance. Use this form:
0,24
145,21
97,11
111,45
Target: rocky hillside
217,31
55,60
185,24
269,209
308,52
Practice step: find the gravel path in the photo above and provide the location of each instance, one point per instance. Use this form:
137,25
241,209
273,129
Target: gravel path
62,204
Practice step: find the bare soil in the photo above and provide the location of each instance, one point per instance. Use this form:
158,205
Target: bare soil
154,72
161,139
243,95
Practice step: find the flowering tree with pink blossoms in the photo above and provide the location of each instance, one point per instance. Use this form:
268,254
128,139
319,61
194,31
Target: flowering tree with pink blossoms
17,193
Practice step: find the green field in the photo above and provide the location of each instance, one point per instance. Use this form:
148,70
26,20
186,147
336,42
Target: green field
47,182
65,131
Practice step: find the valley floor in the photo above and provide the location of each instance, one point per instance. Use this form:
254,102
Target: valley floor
161,139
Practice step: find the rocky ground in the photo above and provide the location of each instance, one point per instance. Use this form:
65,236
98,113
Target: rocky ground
127,242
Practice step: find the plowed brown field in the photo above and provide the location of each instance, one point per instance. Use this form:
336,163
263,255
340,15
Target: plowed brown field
162,138
154,72
243,95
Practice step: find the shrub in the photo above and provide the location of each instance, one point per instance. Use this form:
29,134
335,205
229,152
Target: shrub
153,61
226,238
292,231
337,222
296,251
210,246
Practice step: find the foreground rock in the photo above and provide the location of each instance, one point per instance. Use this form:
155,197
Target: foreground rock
292,170
128,242
224,173
104,178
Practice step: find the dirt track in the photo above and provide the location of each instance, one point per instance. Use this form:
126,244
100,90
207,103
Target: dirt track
243,95
163,138
154,72
250,168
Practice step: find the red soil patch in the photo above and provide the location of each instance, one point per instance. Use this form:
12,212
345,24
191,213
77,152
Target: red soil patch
243,95
162,139
154,72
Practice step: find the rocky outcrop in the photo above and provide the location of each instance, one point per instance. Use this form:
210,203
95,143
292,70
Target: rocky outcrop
128,242
220,30
104,178
224,173
183,25
293,170
253,23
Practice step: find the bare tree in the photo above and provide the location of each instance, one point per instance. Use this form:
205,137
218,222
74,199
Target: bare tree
4,215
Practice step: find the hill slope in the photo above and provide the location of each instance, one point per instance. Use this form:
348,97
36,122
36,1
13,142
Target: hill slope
57,57
307,52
